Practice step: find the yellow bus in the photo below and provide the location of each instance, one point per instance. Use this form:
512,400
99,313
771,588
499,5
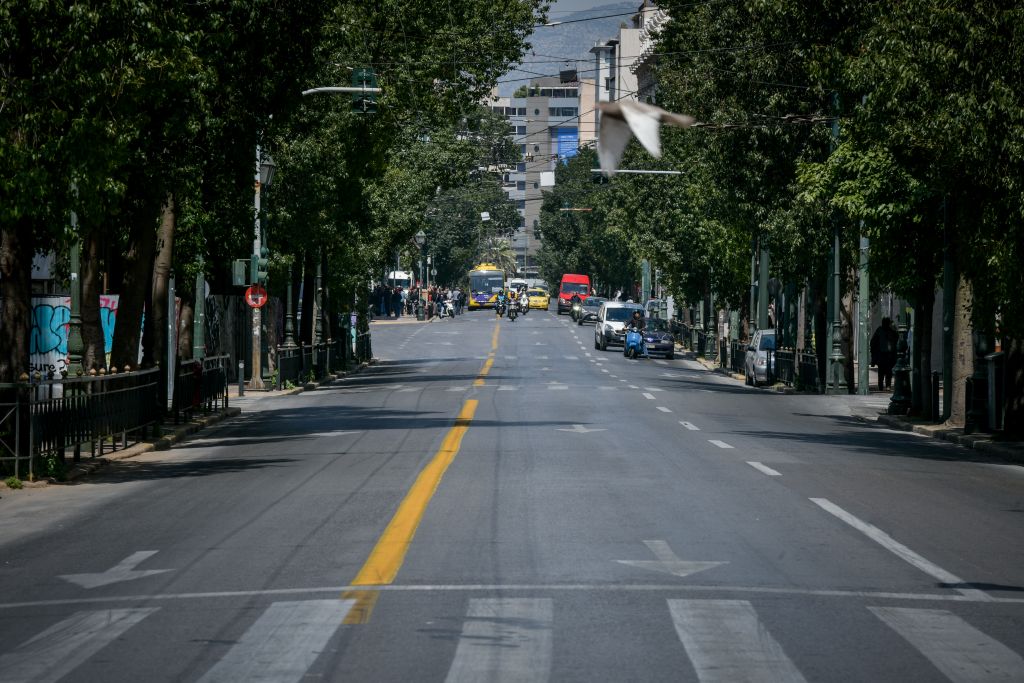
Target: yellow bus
485,281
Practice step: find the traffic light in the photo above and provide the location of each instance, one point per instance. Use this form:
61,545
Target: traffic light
261,266
364,102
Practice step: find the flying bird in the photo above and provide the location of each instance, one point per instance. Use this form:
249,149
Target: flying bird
622,120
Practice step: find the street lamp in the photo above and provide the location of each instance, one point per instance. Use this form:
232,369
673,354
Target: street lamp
420,239
264,175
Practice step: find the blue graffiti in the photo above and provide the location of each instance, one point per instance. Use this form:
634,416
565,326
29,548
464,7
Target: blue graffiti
49,329
108,316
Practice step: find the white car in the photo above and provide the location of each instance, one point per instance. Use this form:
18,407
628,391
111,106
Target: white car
755,361
612,319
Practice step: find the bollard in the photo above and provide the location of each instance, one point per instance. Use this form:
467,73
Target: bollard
241,378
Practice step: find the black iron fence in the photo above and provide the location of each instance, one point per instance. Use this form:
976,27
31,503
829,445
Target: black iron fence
200,386
737,353
44,419
806,370
784,366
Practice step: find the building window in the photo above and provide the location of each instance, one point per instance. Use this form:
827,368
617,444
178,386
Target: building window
536,148
521,184
520,130
521,111
521,203
536,112
522,221
536,184
563,111
521,167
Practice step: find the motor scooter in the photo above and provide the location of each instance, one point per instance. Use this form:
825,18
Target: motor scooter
524,304
633,346
513,311
446,310
577,311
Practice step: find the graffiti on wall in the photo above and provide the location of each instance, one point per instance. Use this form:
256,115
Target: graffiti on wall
48,343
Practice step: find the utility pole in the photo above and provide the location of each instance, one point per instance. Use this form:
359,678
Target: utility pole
199,317
75,345
864,322
836,361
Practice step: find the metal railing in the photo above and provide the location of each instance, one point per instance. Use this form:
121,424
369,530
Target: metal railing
784,366
737,355
806,370
200,385
41,420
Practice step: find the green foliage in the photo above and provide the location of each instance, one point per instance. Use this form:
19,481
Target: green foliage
13,483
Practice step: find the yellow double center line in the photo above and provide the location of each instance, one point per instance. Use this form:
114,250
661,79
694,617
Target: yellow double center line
381,567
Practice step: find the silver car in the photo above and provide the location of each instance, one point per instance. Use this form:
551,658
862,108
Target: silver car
611,323
755,362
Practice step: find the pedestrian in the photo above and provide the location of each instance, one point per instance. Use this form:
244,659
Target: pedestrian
396,301
883,352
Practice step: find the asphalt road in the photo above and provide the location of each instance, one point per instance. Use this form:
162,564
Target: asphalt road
499,501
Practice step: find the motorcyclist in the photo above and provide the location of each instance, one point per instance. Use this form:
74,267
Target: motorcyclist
573,300
638,323
500,304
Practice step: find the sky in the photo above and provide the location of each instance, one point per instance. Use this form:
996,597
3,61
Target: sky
562,6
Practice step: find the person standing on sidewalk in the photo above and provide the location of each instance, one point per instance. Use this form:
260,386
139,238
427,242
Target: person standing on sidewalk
883,352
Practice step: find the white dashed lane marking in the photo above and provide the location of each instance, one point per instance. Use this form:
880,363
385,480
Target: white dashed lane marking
689,425
764,468
664,409
720,444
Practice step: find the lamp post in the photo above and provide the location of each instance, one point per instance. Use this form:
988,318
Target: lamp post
264,176
420,239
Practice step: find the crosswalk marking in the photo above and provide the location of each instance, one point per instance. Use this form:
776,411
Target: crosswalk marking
283,643
727,642
957,649
504,640
55,652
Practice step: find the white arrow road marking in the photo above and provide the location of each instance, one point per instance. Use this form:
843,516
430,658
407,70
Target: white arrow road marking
668,562
123,571
580,429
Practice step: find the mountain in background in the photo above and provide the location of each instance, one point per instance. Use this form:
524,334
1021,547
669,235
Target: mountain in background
553,46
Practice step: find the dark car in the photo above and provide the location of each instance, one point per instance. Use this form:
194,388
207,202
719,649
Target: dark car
590,308
658,338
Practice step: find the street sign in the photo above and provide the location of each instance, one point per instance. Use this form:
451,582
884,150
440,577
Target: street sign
433,272
256,296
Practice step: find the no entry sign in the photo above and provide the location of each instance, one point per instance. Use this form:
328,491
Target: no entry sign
256,296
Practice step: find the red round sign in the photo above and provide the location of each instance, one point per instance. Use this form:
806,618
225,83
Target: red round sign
256,296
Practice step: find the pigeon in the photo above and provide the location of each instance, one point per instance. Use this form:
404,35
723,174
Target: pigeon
622,120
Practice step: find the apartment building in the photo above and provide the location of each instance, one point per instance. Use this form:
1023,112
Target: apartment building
549,124
623,65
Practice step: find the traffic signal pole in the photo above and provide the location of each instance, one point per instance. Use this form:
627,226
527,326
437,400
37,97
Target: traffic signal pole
256,380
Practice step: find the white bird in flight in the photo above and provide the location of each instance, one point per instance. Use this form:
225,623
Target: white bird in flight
622,120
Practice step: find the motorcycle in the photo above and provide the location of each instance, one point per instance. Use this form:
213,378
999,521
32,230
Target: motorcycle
513,311
499,309
446,310
577,311
634,344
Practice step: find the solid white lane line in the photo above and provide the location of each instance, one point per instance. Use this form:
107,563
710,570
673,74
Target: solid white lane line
898,549
720,444
727,642
664,409
653,389
54,653
633,386
282,644
504,639
957,649
557,387
764,468
649,397
689,425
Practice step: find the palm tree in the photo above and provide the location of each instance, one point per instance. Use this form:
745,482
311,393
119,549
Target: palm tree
499,252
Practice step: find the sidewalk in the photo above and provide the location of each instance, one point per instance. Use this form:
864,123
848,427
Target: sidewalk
873,406
171,434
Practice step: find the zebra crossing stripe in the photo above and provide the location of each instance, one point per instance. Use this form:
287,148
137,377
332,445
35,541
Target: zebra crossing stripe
957,649
504,640
52,654
282,644
727,642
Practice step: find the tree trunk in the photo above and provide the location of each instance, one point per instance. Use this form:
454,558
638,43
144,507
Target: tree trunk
138,265
846,342
921,378
185,338
94,355
16,252
963,352
156,351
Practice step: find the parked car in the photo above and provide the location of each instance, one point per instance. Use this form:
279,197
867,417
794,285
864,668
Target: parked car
591,307
659,339
538,298
755,362
611,322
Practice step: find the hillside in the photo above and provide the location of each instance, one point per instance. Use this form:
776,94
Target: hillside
552,46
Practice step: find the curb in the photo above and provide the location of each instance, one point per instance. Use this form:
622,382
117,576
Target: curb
979,442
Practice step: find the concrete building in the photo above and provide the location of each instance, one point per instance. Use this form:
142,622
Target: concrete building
549,125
